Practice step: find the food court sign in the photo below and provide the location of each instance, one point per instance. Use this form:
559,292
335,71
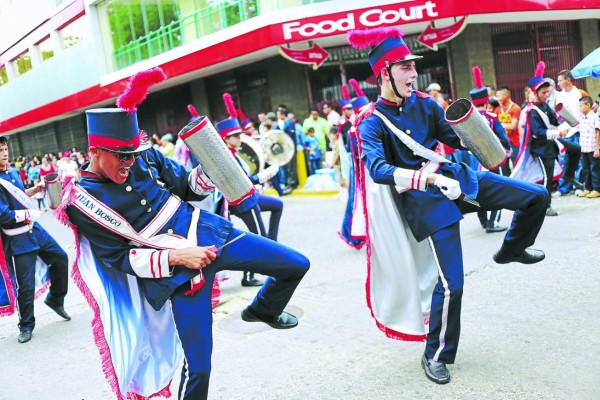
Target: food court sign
370,18
409,12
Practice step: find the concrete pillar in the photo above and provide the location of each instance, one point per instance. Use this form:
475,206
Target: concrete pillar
590,37
35,56
472,47
288,85
199,96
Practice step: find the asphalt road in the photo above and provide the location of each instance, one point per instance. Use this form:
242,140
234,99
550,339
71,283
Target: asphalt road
528,332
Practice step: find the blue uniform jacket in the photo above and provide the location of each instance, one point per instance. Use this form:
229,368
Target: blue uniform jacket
25,242
151,181
540,145
382,152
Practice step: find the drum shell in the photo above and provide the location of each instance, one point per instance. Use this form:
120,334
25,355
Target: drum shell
252,154
475,132
566,114
216,160
54,189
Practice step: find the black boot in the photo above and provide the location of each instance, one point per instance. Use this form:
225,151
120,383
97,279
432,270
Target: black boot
250,280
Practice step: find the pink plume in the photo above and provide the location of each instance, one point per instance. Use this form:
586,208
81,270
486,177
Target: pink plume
357,89
477,78
229,105
345,92
192,110
539,70
138,87
241,114
362,39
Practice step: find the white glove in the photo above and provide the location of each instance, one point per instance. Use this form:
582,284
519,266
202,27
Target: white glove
29,215
268,173
199,182
450,187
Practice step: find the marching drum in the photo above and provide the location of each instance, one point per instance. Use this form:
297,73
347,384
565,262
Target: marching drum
278,147
252,154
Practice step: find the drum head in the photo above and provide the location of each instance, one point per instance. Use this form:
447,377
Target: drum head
252,154
278,146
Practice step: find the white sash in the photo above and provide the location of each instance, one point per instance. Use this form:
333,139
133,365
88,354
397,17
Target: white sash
17,193
114,222
417,148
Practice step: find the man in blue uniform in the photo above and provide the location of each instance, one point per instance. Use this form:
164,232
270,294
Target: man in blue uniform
131,204
543,136
398,135
249,211
480,98
24,241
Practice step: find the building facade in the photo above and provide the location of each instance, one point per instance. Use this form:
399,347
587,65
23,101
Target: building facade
72,55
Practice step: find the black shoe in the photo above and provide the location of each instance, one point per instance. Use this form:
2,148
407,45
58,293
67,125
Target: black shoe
551,212
492,229
529,256
282,321
285,191
250,280
435,371
60,310
24,336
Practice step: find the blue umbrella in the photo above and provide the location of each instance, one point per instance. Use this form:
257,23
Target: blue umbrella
589,66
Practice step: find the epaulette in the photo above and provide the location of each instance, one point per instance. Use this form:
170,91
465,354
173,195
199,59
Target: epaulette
365,113
422,95
492,116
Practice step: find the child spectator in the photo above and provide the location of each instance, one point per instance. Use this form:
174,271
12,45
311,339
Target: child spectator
311,144
589,139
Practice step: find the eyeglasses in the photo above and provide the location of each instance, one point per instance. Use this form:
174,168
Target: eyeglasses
123,157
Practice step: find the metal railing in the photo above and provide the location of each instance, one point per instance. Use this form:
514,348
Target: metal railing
188,28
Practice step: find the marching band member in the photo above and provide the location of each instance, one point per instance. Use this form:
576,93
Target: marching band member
230,132
543,140
158,255
348,159
415,195
480,99
24,240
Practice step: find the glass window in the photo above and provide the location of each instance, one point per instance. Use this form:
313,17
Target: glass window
22,64
75,32
3,75
45,49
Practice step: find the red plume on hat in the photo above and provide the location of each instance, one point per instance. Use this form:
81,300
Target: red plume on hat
370,37
229,105
345,93
192,110
357,89
477,77
138,87
539,70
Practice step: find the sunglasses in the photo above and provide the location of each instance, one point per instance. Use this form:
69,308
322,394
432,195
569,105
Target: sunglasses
123,157
235,134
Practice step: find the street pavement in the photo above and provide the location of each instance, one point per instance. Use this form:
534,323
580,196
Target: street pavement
528,331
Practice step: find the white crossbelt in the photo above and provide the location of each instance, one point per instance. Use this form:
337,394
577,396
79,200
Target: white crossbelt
16,231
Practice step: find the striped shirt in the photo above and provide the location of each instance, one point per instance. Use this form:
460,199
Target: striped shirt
587,130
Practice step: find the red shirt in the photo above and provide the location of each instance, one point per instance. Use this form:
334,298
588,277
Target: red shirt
44,172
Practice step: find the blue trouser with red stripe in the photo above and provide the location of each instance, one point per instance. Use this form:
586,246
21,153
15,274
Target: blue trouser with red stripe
24,272
193,314
529,202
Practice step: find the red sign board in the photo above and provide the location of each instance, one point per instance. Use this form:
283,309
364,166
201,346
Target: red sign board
431,36
315,55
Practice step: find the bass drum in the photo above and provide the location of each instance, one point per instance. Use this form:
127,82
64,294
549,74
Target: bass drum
252,154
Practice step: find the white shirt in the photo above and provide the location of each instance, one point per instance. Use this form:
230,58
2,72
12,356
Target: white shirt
570,100
333,118
68,168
